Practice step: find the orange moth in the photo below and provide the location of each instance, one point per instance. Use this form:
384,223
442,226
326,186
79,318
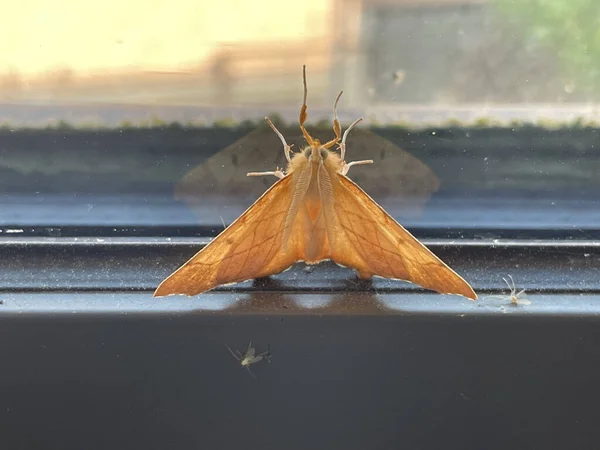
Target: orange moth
313,213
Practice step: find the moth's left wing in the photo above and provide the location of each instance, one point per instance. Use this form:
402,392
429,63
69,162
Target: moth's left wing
251,247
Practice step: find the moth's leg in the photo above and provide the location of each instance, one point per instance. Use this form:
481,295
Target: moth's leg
346,166
287,149
337,129
501,297
278,173
343,143
303,114
234,355
250,372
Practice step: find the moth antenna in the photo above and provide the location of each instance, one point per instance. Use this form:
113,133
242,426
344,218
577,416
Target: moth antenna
513,283
337,129
287,149
303,114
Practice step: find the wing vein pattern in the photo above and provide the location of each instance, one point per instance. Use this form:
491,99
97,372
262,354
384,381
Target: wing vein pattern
249,248
372,242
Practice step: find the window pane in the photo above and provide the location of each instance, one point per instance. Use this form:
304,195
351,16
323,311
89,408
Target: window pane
479,115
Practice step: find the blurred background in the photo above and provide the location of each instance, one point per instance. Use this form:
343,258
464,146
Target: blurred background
397,60
150,113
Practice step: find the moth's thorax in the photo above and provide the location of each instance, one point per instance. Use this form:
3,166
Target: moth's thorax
315,154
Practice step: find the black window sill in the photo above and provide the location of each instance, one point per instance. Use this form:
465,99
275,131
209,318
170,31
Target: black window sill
92,360
140,263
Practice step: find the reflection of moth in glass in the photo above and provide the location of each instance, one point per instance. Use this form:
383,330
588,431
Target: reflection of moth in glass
516,298
402,183
314,213
250,357
219,187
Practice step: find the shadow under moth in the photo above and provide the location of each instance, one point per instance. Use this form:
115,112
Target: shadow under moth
313,213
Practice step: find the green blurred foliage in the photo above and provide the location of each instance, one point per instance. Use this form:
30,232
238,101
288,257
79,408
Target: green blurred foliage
571,28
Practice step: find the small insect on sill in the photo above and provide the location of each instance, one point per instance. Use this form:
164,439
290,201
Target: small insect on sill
313,213
250,357
516,298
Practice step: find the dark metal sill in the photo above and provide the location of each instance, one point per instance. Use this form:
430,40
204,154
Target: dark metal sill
86,349
118,275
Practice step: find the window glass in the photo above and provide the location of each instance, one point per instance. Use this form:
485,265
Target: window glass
144,118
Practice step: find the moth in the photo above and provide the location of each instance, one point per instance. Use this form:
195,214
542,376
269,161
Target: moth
313,213
516,298
250,357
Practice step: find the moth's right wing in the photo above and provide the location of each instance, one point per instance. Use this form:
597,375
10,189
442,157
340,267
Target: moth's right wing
369,240
251,247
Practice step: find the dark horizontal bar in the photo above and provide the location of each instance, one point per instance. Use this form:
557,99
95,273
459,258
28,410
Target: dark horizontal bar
136,264
570,233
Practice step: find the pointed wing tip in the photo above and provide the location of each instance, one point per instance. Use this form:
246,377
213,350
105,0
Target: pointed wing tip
468,292
163,292
469,295
463,288
174,286
158,293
